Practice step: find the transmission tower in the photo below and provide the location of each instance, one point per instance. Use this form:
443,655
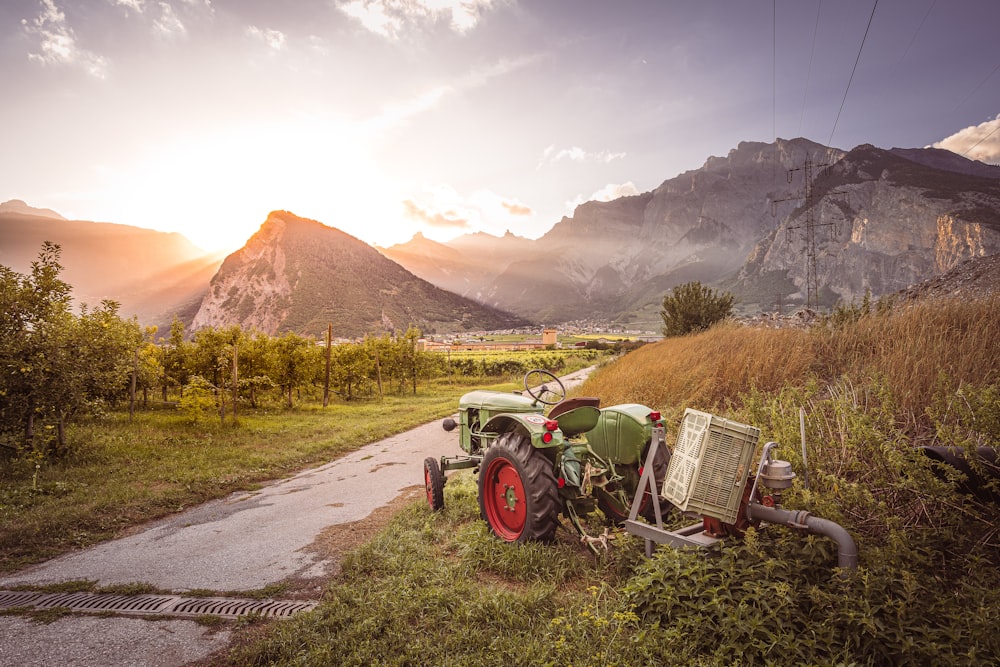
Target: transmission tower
809,227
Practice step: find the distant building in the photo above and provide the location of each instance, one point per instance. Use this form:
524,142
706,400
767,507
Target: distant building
549,339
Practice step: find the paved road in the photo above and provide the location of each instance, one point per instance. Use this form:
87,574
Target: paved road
243,542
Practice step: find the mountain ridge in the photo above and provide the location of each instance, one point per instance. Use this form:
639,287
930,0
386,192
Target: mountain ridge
296,274
739,222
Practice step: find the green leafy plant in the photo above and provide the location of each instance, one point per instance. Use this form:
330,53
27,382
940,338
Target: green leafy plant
693,307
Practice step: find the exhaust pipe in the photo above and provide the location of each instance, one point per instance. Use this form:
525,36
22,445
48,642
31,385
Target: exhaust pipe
847,557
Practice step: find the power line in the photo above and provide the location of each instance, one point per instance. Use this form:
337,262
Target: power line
812,53
914,38
966,153
829,141
980,85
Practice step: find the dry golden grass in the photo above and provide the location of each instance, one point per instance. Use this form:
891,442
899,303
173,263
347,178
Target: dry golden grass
938,344
912,351
705,370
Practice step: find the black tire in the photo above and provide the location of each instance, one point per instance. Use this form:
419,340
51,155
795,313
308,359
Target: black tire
433,484
518,496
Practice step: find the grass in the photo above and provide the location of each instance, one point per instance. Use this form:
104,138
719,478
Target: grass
918,353
436,589
120,474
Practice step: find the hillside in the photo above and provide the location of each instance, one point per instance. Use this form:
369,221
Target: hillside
151,274
884,220
299,275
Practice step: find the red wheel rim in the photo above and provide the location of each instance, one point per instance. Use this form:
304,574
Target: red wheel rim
504,500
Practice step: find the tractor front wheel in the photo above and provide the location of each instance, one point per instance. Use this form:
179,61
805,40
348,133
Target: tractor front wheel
433,484
518,496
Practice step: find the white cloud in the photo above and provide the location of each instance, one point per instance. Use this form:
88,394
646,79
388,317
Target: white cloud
429,99
609,192
169,24
575,154
976,142
389,18
138,6
58,44
275,39
441,212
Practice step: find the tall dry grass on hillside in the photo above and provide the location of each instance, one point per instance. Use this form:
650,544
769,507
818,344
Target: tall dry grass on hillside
707,369
916,352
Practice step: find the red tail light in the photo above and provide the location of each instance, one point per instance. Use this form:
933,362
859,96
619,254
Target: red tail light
551,424
561,482
655,415
547,437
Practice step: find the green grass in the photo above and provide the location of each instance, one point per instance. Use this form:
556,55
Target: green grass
120,474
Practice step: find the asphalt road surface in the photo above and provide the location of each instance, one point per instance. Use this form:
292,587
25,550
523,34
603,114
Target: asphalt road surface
243,542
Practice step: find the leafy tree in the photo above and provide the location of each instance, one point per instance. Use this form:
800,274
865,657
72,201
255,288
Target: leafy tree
175,353
298,361
351,370
257,359
54,364
693,307
35,328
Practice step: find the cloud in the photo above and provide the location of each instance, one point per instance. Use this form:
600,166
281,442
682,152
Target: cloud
390,18
440,220
516,208
58,44
169,24
442,211
427,100
575,154
976,142
138,6
274,39
609,192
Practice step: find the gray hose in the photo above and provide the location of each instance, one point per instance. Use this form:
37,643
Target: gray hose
847,558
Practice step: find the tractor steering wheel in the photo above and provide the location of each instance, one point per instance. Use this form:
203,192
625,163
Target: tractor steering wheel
544,389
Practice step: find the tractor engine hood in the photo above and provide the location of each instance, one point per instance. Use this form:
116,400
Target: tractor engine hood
498,401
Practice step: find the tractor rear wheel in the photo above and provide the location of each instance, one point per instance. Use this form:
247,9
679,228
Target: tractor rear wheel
433,484
518,496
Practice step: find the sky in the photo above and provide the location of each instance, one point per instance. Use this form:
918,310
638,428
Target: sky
385,118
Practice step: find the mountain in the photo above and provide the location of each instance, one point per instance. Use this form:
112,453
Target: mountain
19,206
466,265
152,274
881,220
299,275
889,222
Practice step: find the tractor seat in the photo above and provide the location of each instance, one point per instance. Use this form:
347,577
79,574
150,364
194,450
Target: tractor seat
576,415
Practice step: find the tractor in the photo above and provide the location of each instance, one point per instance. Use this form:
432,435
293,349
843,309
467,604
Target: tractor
580,457
533,465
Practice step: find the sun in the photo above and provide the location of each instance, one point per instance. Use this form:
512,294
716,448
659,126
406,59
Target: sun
216,189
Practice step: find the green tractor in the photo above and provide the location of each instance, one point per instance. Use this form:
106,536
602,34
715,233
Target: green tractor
534,465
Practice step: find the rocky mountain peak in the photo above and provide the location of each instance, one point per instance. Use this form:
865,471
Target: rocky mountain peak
297,274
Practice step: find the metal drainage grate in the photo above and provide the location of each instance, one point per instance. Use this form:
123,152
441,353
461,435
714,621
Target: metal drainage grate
171,605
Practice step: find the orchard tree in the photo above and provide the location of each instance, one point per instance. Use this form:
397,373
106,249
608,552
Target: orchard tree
257,360
351,370
175,353
35,327
298,361
693,307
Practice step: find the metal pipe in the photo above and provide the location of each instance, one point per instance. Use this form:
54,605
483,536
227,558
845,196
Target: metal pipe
848,555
